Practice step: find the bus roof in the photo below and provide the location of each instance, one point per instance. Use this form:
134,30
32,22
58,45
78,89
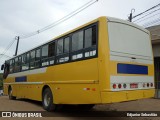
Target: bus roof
111,19
93,21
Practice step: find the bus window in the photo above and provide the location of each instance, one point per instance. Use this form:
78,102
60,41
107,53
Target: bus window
19,60
38,55
11,66
63,50
77,41
88,37
17,67
90,41
51,53
37,58
94,35
32,59
25,61
77,44
45,55
66,45
16,61
60,46
28,58
45,51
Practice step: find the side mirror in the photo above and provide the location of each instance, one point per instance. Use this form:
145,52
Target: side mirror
2,67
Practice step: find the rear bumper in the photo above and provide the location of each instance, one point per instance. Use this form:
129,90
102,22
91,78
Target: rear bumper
120,96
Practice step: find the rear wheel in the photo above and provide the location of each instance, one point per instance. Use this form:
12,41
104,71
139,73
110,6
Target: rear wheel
47,100
11,97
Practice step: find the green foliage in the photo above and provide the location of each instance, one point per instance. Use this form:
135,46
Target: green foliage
1,80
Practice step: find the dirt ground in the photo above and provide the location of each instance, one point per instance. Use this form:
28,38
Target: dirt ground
28,105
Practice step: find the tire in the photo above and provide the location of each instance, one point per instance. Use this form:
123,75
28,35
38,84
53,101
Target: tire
47,100
10,94
86,107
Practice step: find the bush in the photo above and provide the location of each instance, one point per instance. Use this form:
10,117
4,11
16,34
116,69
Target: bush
1,81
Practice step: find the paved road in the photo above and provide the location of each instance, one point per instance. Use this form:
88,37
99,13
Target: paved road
98,110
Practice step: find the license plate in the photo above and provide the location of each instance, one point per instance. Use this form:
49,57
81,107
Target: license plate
133,85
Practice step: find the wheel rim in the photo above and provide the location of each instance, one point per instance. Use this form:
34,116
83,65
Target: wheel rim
47,99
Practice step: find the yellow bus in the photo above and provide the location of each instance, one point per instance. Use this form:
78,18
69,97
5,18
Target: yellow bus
107,60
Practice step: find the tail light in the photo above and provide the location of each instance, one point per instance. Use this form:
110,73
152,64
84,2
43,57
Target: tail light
114,86
151,84
119,86
147,84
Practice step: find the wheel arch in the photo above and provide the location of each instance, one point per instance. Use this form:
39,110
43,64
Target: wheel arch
44,87
9,88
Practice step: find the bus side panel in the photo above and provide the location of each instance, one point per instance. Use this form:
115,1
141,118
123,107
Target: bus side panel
32,92
103,58
74,91
5,89
80,70
70,90
8,82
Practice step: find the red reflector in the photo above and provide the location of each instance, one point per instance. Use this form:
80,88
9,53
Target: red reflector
134,85
114,86
147,84
87,88
119,85
93,89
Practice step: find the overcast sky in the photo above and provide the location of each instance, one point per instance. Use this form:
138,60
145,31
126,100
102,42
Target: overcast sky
20,17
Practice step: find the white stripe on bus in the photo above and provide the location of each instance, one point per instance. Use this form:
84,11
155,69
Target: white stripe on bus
28,72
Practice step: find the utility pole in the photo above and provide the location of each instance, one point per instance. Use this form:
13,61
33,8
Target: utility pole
17,37
131,16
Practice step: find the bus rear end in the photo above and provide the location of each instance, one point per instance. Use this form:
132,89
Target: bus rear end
131,62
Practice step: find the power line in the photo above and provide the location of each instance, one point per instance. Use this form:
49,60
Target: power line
7,48
146,15
147,18
146,11
5,55
83,7
86,5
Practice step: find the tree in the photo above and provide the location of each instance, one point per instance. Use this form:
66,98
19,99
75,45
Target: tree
1,81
